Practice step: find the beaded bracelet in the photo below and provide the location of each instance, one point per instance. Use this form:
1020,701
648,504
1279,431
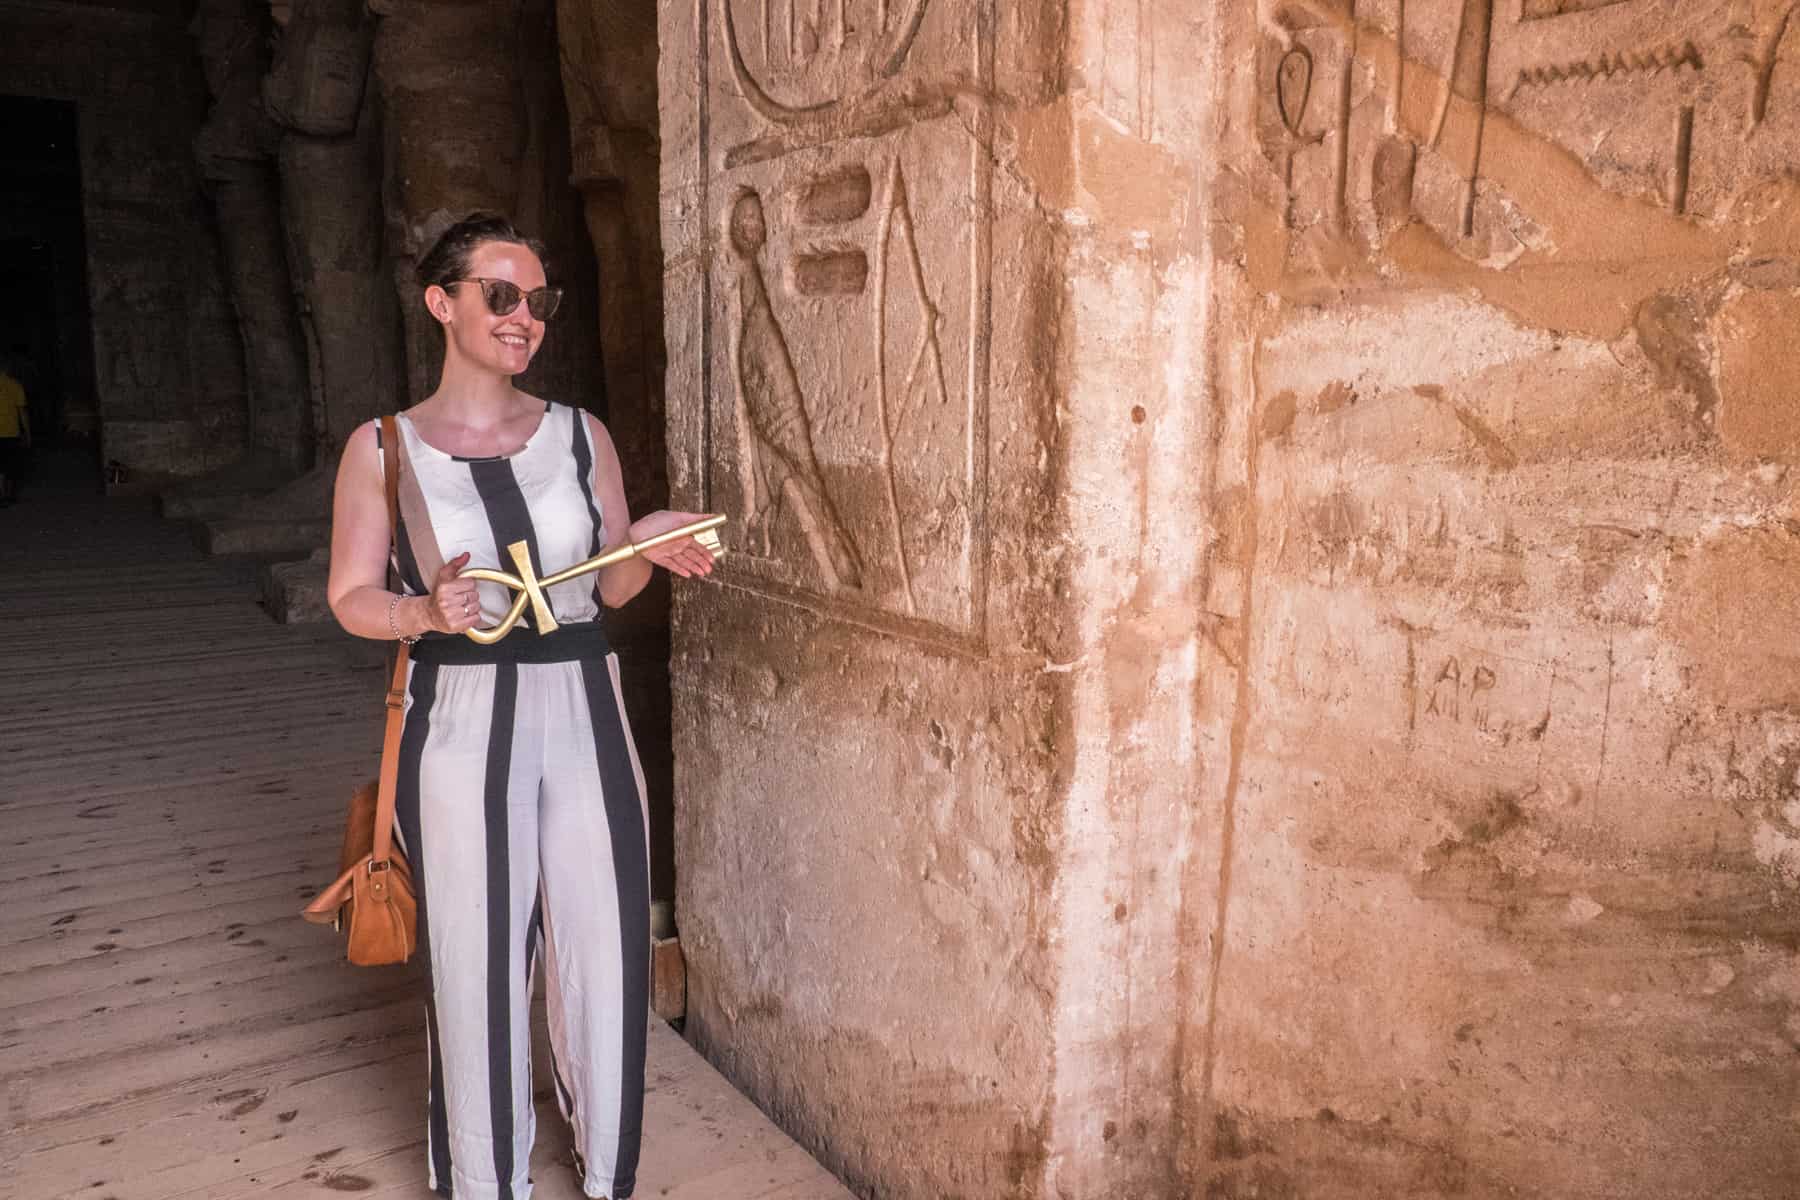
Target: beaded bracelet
394,603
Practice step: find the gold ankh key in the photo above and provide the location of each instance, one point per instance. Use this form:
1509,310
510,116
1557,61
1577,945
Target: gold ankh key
530,589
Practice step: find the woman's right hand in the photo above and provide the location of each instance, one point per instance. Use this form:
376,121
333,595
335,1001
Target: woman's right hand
455,606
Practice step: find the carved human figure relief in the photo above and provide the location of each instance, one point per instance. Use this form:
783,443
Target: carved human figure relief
774,428
848,303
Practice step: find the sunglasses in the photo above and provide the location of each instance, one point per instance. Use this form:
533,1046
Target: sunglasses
503,297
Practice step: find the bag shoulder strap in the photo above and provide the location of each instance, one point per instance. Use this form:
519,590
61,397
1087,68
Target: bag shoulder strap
390,471
396,693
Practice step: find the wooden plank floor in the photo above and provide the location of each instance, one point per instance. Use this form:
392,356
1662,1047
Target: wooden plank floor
173,767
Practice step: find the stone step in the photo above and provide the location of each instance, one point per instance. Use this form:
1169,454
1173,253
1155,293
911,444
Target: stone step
294,592
224,492
263,539
181,505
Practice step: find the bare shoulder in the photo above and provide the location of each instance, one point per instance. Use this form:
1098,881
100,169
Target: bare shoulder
364,439
362,454
597,433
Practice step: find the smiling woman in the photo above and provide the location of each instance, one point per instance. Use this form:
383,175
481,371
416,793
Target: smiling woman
519,803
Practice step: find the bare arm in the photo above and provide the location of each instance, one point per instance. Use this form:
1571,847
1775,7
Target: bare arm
622,581
357,589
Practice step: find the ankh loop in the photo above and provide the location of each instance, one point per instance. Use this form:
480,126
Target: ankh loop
528,589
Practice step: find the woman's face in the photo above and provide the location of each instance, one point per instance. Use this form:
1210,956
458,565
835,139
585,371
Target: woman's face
503,343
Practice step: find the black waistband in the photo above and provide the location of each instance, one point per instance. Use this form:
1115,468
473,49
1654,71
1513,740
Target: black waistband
568,643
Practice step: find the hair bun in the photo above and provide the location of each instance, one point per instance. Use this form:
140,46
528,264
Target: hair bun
457,240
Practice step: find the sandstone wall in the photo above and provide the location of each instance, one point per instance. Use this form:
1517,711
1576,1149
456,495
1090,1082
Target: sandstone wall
1504,567
1304,702
168,367
867,708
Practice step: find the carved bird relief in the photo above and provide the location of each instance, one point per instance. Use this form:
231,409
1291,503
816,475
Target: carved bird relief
782,466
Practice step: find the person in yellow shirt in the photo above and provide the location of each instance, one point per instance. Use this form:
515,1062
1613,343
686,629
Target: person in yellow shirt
15,432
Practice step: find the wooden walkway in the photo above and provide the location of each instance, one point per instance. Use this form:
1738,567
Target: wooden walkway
173,767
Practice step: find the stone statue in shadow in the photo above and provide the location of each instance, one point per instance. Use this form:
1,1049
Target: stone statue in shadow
236,150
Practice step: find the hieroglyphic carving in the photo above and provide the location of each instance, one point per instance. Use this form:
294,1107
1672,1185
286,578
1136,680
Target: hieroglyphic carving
863,89
1684,155
1607,66
1701,70
1469,80
877,344
835,198
898,219
779,444
869,59
1340,191
831,272
1764,65
1535,10
1293,88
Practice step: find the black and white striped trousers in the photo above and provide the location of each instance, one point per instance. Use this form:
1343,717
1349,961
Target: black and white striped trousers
520,804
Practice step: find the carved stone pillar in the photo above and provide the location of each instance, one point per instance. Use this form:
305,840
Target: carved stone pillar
236,148
331,166
932,767
609,76
453,138
1260,657
475,120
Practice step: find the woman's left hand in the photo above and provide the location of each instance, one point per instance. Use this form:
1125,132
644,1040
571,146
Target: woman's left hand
683,556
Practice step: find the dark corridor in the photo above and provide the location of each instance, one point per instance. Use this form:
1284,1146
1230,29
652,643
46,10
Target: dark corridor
44,304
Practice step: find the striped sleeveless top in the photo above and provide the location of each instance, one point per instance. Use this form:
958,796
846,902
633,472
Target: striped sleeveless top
542,494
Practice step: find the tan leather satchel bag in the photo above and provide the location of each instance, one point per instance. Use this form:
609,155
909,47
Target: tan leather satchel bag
372,898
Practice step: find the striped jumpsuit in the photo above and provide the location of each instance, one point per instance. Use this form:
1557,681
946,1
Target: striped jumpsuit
520,805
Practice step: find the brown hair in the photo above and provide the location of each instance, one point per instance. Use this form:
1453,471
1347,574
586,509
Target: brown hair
448,259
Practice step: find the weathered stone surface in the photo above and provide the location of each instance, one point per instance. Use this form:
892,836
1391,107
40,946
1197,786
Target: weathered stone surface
236,148
220,493
867,709
294,592
608,57
1758,366
1345,744
331,170
668,979
607,52
292,539
1506,903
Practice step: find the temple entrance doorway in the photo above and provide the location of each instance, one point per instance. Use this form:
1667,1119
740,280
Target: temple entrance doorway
45,335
